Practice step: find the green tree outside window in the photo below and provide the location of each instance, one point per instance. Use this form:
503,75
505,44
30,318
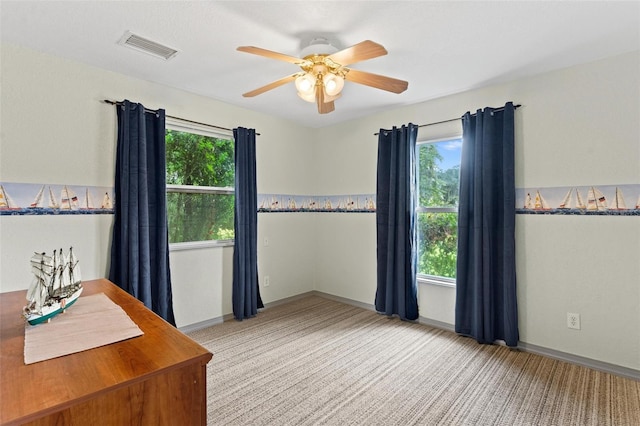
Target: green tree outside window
438,182
199,161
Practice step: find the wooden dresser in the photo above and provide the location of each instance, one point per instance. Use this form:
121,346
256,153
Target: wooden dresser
155,379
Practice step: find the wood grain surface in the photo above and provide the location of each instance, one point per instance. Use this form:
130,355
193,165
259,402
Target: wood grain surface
153,379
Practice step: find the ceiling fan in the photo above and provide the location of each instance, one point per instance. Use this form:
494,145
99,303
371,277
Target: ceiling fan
324,71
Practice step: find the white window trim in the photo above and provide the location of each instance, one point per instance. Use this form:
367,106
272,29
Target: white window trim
193,189
422,209
194,245
433,280
200,129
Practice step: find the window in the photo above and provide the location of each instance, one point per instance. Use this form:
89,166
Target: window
437,212
200,179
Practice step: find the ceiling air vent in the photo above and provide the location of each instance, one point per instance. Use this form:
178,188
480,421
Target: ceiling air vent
147,46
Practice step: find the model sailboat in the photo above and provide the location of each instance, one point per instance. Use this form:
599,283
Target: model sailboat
56,286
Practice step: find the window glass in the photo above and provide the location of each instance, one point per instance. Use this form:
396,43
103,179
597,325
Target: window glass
200,179
437,213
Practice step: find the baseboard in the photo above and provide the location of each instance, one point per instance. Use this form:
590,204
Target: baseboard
228,317
437,324
605,367
525,347
367,306
289,299
203,324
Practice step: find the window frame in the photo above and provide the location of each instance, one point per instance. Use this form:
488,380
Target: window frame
186,126
425,278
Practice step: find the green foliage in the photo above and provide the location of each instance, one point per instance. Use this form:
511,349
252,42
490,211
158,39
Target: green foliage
438,244
437,187
194,159
198,160
437,231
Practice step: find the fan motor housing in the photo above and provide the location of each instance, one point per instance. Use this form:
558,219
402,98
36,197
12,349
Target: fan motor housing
319,46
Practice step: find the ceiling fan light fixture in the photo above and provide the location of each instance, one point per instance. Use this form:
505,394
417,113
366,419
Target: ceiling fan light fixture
309,97
306,84
324,70
331,98
333,84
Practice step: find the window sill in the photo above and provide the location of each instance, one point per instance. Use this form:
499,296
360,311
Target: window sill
435,281
193,245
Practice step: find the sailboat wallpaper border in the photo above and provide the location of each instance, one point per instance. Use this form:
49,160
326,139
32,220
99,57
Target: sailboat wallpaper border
600,200
60,199
283,203
52,199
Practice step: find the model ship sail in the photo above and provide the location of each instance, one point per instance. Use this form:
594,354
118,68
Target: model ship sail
56,285
618,201
528,202
6,202
596,200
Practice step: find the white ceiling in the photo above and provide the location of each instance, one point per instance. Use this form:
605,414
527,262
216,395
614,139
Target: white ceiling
439,47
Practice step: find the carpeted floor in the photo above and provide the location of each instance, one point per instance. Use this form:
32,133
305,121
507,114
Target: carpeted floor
317,361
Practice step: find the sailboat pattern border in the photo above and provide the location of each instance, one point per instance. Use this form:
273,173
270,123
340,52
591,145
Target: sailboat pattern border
60,199
600,200
283,203
49,199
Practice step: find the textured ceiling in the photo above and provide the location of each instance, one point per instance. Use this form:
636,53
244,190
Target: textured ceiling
439,47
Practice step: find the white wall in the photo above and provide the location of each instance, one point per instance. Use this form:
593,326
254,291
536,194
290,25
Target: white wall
577,126
56,130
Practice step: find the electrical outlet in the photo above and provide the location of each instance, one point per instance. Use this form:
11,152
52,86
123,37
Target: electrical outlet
266,281
573,321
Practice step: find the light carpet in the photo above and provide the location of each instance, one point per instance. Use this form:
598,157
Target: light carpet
317,361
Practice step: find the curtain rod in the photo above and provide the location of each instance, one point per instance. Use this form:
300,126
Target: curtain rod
453,119
153,111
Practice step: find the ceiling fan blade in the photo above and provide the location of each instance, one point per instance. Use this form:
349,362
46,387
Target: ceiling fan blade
323,107
270,54
271,85
358,52
378,81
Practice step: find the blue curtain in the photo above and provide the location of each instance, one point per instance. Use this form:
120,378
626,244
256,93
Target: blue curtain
245,293
396,233
486,307
140,247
